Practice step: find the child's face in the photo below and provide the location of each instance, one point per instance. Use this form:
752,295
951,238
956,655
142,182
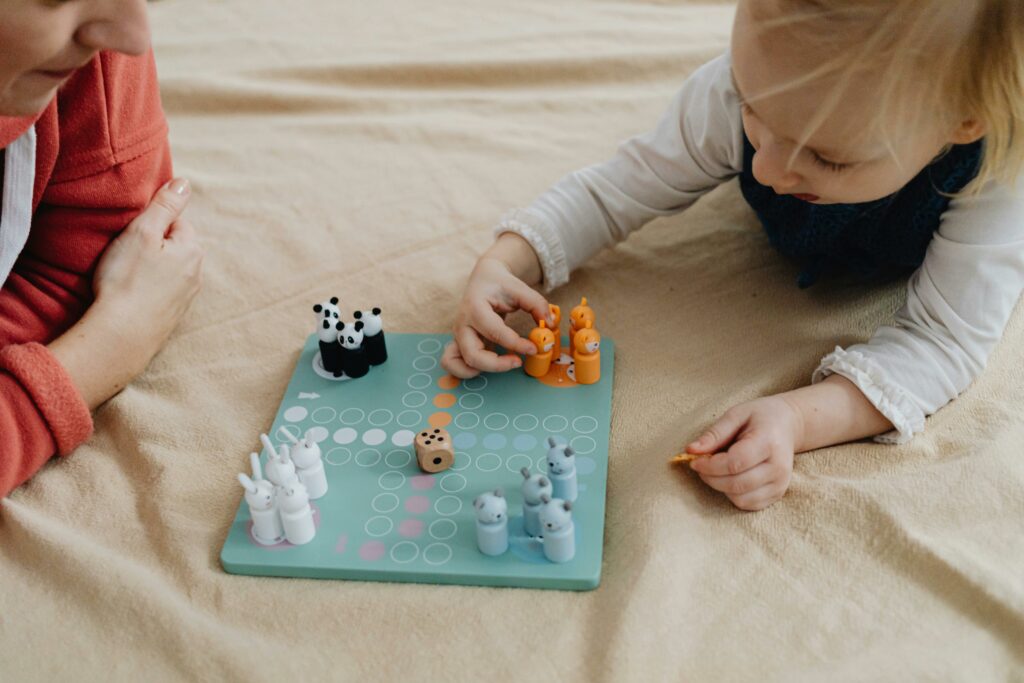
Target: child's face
844,161
43,41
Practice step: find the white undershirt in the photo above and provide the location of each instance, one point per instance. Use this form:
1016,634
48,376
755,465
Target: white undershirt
18,184
958,301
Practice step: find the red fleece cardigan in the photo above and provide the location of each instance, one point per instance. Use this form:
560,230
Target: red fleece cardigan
101,154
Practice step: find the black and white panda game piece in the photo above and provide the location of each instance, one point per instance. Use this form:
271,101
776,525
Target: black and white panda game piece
373,336
353,355
330,349
327,310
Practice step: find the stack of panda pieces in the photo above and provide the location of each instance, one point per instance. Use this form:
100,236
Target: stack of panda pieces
349,349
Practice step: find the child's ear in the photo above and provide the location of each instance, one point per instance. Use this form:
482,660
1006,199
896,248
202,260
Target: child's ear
967,132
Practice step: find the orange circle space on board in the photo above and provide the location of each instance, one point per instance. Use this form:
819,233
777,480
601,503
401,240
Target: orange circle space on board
439,420
448,382
444,400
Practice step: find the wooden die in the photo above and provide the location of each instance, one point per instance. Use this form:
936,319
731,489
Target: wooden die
434,450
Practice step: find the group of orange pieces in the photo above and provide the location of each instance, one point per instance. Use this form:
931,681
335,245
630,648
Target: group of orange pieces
584,344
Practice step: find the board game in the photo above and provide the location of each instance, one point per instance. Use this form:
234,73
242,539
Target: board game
383,519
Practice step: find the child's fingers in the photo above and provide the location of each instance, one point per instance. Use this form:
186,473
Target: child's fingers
165,208
478,357
743,456
493,326
451,360
531,301
721,433
745,482
760,498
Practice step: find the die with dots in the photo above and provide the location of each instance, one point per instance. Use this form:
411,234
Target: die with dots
434,452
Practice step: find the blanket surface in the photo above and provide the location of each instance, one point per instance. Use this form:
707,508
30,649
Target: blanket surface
365,149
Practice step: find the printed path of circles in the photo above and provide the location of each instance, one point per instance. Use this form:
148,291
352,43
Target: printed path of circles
286,429
471,401
398,459
442,529
409,418
584,424
420,380
475,383
317,434
378,526
338,456
464,440
583,444
437,554
324,415
404,552
391,481
495,442
368,457
554,424
525,422
519,461
385,503
424,363
489,462
524,442
462,461
414,399
429,346
380,417
345,436
403,438
447,506
467,420
374,437
496,421
351,416
296,414
452,483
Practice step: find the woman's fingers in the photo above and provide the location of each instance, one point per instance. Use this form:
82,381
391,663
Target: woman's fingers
164,209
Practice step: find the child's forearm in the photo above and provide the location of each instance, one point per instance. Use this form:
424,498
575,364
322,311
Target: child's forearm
834,411
99,356
518,255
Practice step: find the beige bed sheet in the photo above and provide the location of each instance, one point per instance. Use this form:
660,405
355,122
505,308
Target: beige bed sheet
364,149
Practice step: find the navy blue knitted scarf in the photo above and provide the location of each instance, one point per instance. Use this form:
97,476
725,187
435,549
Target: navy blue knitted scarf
871,240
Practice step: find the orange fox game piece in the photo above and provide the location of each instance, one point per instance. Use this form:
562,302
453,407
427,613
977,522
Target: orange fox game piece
578,318
538,364
556,329
587,355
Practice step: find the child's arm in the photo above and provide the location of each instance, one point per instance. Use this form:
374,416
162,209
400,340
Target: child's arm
958,304
697,145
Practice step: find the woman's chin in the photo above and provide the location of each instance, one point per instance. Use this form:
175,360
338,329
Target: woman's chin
26,99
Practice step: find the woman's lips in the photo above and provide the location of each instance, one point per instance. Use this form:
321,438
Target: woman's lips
807,197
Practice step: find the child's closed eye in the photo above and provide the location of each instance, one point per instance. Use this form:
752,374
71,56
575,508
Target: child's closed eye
829,165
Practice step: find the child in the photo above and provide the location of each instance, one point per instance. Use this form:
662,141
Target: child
85,301
869,136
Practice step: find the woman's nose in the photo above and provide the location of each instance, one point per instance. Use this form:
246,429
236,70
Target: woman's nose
118,25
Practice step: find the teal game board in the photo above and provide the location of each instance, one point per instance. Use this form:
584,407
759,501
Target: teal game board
383,519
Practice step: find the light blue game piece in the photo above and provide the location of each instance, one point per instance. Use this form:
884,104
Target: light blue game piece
562,470
534,486
559,531
492,522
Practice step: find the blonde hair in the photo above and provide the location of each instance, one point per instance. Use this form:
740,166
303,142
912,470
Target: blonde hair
969,54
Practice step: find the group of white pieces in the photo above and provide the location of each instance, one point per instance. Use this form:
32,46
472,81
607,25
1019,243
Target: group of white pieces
279,505
547,508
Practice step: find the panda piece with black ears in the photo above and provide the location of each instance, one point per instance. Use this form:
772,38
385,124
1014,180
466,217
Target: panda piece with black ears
353,355
373,336
327,310
330,350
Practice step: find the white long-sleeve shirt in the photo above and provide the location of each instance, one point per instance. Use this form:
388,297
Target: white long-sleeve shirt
958,301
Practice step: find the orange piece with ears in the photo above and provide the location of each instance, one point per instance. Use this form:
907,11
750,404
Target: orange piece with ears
556,330
578,318
538,364
587,355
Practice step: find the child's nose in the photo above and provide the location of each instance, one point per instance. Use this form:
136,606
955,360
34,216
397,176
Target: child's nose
771,168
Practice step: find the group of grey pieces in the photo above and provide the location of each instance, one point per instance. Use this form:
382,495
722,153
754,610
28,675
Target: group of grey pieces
279,505
349,349
547,509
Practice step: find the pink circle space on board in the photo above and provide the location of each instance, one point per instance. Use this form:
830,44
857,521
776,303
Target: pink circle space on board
423,482
371,551
342,543
411,528
417,505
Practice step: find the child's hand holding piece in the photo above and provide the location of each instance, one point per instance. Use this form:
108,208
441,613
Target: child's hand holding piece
497,286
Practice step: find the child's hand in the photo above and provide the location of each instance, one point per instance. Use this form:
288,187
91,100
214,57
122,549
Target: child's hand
761,437
494,290
151,272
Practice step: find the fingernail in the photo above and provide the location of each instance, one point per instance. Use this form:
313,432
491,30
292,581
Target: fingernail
180,186
517,363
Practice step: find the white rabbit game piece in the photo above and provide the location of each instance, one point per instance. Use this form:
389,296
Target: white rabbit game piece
309,465
296,514
267,528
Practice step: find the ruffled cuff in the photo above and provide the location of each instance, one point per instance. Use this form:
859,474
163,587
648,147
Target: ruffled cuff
545,242
888,398
54,394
